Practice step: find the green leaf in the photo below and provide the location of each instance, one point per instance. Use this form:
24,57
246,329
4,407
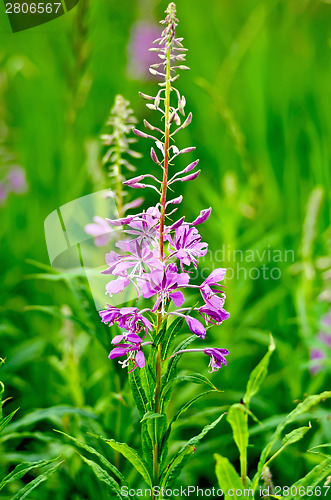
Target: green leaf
147,430
138,392
162,332
237,418
6,420
22,469
102,459
301,408
171,333
171,370
258,374
194,378
102,475
295,435
290,438
312,479
150,414
53,413
134,458
147,380
24,492
164,446
325,445
177,463
227,476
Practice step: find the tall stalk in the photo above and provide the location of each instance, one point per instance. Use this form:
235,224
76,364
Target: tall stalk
158,360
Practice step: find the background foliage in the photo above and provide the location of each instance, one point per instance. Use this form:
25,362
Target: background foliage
260,96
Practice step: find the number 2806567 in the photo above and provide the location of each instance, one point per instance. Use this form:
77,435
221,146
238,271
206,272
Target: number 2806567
33,8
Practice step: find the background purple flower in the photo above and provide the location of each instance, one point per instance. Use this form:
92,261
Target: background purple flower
142,35
17,180
101,231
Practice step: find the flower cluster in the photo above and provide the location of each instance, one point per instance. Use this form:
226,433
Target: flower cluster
156,256
117,157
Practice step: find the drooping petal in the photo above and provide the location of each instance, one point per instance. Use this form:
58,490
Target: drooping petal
204,215
196,327
140,359
117,352
134,338
117,339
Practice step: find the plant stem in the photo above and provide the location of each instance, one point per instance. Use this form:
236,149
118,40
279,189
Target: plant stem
158,365
118,174
158,360
166,153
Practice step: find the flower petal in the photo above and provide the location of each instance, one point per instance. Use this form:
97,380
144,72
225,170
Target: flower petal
140,359
196,327
178,298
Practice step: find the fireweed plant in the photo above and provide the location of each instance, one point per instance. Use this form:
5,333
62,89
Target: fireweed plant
156,257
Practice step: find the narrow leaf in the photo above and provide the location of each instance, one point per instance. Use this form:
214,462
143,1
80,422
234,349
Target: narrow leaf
227,476
312,479
295,435
133,457
176,417
22,469
24,492
150,414
171,333
177,463
303,407
102,459
6,420
237,418
258,374
138,392
195,378
102,475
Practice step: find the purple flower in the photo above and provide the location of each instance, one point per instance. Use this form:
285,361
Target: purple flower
134,352
138,258
17,180
187,246
217,357
317,357
163,283
209,291
110,315
117,286
214,316
139,57
145,227
196,327
131,319
325,334
101,231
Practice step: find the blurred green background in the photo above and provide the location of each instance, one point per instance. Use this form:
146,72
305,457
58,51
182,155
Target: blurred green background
259,89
